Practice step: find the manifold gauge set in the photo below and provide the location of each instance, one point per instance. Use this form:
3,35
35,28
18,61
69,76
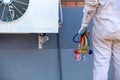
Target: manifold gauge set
83,48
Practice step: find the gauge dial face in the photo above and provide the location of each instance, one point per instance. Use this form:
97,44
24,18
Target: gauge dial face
11,10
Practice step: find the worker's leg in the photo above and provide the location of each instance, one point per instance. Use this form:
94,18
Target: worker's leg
102,55
116,59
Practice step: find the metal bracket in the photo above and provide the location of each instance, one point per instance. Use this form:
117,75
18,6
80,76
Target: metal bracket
42,38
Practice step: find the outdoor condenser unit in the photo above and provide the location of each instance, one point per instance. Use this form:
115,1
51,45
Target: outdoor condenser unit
29,16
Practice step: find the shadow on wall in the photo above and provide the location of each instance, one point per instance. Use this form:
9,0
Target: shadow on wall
26,41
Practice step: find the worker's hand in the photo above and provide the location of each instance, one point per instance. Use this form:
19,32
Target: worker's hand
83,29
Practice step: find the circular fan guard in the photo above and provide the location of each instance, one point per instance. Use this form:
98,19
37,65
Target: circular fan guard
11,10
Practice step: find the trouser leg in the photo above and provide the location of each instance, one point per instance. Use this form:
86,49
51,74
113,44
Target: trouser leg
116,59
102,55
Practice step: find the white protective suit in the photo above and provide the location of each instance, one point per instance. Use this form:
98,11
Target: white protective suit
105,35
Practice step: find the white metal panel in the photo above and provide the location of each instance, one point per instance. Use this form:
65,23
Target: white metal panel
40,17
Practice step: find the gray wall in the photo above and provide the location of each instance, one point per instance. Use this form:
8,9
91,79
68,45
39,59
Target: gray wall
72,70
20,58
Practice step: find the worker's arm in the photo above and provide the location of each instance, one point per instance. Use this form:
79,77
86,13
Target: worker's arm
88,11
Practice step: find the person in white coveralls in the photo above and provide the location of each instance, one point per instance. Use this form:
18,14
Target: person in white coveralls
105,35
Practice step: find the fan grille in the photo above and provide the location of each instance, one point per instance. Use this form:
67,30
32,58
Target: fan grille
11,10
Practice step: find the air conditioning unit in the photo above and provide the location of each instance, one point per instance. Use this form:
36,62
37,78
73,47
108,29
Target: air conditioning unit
29,16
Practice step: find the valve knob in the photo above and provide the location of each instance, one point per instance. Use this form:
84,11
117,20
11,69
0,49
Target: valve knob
90,51
76,51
